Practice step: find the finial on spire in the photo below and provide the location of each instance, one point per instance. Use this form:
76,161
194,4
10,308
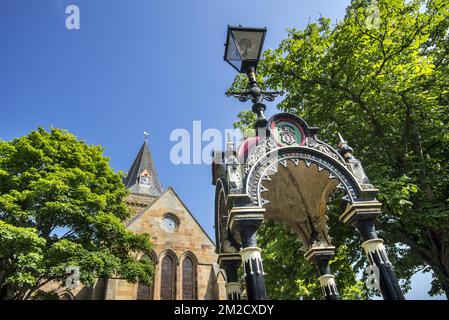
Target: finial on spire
345,150
355,165
146,136
342,141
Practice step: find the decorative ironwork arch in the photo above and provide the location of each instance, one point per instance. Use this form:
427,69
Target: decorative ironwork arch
267,163
224,239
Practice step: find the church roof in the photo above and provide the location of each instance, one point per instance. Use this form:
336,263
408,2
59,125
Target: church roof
143,164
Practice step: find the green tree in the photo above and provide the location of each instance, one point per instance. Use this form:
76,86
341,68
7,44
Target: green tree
380,77
62,205
289,276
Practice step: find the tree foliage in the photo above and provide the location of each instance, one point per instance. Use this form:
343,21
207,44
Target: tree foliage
289,276
62,205
380,77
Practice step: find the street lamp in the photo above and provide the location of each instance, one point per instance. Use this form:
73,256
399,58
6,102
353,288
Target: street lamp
242,51
244,47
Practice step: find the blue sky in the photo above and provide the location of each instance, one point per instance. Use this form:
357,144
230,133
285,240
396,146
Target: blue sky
136,66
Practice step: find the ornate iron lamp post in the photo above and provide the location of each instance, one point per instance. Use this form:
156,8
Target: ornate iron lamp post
288,175
243,50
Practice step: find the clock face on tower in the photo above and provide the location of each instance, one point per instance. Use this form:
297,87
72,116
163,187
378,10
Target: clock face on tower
169,223
145,180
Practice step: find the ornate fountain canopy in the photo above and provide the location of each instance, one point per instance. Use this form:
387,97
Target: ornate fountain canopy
288,176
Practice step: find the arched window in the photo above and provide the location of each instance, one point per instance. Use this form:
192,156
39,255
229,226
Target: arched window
168,278
145,292
188,279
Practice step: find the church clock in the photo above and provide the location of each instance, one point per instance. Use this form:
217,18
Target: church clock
145,180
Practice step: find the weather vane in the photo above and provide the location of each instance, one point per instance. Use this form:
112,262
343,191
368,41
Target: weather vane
146,135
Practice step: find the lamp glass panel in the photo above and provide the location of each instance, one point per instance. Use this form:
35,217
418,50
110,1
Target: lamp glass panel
249,43
232,54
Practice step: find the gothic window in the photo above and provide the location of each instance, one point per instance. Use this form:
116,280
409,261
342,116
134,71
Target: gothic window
188,279
145,292
168,278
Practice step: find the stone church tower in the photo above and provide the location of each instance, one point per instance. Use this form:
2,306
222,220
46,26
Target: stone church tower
183,253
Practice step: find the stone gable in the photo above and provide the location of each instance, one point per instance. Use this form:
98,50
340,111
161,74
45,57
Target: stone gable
188,239
188,235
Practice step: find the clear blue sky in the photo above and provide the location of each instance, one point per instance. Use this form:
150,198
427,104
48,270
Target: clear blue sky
133,66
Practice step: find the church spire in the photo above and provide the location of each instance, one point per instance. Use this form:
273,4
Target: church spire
142,177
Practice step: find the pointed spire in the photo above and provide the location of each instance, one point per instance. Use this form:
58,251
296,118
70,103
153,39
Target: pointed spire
142,178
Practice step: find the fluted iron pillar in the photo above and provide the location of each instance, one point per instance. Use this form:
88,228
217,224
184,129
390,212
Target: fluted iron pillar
378,260
254,274
230,263
321,256
246,224
363,215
